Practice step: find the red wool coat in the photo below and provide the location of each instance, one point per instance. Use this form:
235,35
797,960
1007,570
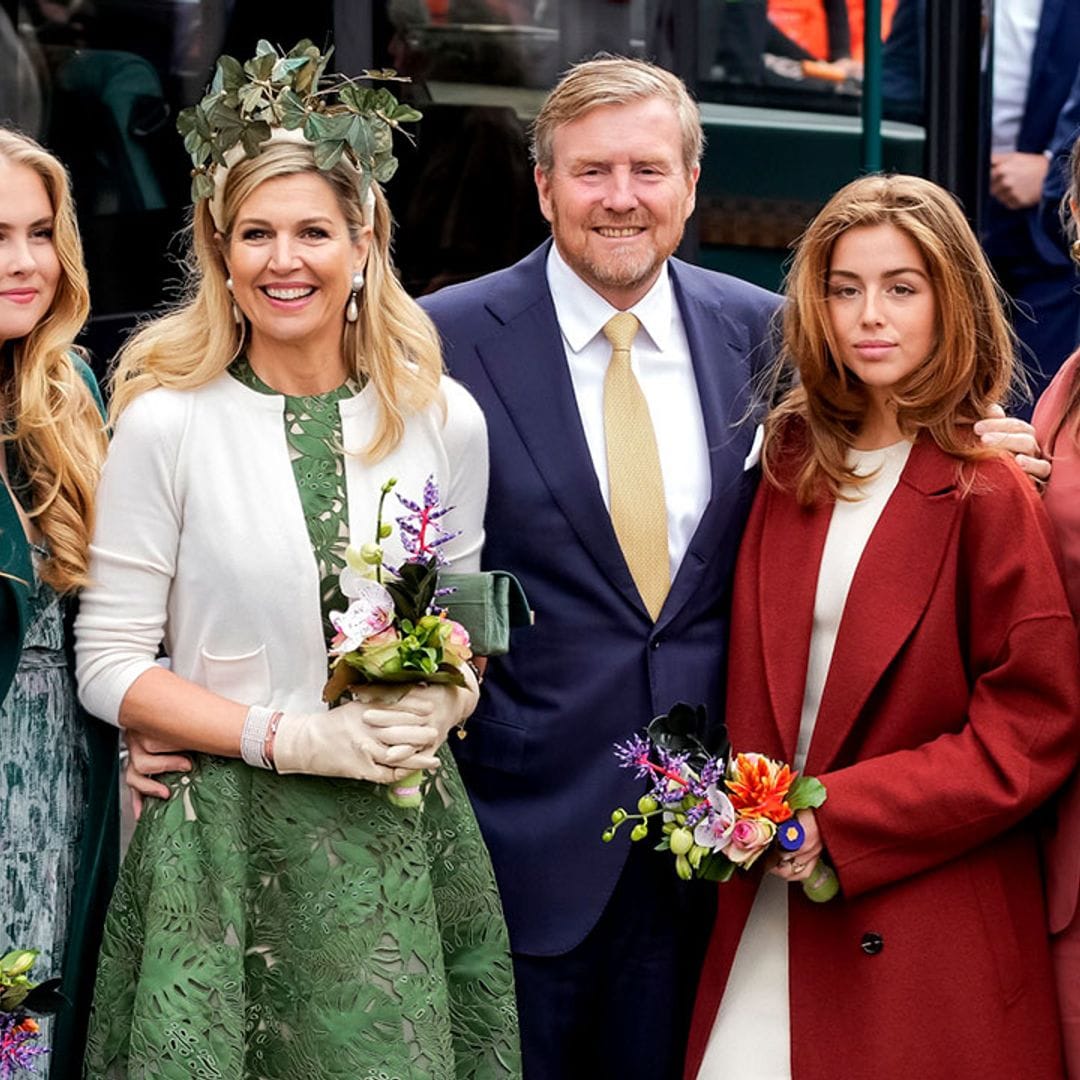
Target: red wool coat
949,714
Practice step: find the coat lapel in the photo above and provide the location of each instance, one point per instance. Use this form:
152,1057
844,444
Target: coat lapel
791,545
16,575
891,588
526,364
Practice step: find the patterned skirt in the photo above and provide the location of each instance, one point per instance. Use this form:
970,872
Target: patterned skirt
43,762
286,927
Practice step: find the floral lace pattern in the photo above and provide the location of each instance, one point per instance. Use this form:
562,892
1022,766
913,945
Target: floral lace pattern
42,789
283,927
272,927
313,433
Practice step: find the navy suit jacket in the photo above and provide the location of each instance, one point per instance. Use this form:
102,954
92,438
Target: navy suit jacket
1054,65
594,668
1050,238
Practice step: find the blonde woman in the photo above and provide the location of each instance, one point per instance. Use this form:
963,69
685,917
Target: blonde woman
57,768
277,917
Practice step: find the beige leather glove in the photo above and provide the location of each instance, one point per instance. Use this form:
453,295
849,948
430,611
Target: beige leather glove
340,742
439,705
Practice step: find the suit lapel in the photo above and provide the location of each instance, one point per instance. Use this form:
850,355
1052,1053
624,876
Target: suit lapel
718,351
1045,68
889,592
792,542
526,364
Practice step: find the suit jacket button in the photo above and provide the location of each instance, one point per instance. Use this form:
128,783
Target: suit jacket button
871,944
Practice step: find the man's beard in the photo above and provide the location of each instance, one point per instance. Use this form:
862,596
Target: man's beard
621,269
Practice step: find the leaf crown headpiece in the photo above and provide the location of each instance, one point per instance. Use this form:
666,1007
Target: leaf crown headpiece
247,102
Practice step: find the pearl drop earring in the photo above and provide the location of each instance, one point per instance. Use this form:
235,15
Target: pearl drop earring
352,309
237,314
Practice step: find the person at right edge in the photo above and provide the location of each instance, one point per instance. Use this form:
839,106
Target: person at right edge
1057,424
1035,63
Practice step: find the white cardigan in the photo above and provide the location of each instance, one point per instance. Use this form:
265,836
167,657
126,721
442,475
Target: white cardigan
201,543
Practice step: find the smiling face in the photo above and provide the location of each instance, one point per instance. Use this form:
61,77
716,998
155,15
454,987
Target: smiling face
291,259
882,307
618,195
29,265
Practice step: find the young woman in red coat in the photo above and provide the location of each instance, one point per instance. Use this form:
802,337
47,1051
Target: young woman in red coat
900,630
1057,424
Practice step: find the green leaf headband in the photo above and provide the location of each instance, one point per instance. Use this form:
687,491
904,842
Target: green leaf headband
279,96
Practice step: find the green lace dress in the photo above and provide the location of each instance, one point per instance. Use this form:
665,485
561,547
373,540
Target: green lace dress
286,927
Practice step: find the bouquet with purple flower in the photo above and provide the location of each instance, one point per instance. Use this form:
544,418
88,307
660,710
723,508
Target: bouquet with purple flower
719,811
392,630
19,1033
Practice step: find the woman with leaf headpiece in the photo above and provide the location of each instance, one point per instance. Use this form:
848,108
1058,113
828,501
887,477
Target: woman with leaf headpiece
276,915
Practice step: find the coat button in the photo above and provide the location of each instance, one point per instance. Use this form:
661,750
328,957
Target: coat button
871,944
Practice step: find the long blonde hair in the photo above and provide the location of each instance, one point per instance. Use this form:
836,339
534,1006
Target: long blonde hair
52,417
972,364
393,344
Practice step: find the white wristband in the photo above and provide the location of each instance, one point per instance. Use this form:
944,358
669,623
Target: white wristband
253,736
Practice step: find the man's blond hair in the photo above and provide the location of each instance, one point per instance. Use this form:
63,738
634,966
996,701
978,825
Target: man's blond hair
615,80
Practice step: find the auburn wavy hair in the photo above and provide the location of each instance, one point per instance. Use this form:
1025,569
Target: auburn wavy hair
971,366
51,417
393,344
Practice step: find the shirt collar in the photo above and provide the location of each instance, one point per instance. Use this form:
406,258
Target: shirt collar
582,312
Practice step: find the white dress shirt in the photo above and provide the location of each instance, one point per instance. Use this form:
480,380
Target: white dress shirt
660,358
1016,25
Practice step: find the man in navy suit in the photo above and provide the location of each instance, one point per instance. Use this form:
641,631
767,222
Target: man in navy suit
607,941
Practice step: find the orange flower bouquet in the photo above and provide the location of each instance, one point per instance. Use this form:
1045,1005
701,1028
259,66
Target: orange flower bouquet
718,811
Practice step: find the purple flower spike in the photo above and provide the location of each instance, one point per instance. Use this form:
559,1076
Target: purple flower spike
712,772
18,1045
634,754
421,534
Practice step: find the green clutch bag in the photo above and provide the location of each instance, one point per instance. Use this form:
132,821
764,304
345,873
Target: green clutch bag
488,604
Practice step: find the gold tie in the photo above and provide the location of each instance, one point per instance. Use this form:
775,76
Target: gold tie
636,485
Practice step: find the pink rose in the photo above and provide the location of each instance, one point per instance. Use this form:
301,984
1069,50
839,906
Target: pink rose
456,643
749,838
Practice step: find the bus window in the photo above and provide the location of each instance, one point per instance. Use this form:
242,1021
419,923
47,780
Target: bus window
781,85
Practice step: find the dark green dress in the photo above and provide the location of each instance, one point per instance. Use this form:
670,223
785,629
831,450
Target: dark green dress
286,927
59,821
43,779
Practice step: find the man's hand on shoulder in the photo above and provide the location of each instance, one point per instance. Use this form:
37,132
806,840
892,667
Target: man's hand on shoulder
1018,437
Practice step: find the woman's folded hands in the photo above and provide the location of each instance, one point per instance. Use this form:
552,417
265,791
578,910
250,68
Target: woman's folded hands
344,742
